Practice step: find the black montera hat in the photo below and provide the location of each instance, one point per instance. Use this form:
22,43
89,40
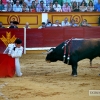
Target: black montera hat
15,22
43,23
18,41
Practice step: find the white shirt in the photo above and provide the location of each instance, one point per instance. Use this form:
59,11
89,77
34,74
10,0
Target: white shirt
17,8
83,9
55,25
14,53
65,24
58,8
90,9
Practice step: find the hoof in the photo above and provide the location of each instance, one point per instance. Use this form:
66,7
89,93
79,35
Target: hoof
74,75
99,74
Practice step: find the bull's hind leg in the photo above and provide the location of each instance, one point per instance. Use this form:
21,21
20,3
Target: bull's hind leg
74,70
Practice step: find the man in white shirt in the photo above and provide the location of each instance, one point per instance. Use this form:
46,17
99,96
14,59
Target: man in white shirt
57,7
65,22
17,7
15,50
56,24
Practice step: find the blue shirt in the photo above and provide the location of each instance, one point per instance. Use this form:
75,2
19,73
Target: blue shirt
97,7
1,7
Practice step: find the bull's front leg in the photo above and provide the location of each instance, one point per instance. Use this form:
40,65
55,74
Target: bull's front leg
74,69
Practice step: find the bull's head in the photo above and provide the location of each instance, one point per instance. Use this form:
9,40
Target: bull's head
51,55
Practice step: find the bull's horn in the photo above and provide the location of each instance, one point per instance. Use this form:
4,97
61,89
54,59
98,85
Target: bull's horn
50,51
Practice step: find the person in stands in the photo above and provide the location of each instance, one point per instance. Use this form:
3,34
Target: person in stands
17,7
1,26
56,24
65,22
15,23
15,50
42,26
27,26
97,6
66,7
84,23
11,25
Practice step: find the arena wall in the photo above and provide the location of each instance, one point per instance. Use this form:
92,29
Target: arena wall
42,39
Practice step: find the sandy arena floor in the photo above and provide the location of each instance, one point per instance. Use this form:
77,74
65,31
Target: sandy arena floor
51,81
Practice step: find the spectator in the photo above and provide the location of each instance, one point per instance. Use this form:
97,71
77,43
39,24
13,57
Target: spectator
66,7
15,24
46,2
95,2
84,23
83,7
90,7
50,8
80,2
60,2
65,22
8,6
48,24
73,24
21,2
56,24
77,1
43,1
41,7
14,1
25,7
1,26
97,6
42,26
4,2
33,7
1,5
75,7
26,26
11,25
28,2
69,2
57,7
17,7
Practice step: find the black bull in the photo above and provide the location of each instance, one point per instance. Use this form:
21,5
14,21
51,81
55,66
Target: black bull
77,49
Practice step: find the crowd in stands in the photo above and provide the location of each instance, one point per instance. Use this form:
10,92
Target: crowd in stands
13,24
64,23
49,5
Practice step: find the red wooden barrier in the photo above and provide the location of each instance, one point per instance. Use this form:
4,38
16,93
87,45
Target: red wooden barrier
9,36
47,37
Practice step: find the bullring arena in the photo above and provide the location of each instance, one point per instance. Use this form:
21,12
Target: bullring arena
50,81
